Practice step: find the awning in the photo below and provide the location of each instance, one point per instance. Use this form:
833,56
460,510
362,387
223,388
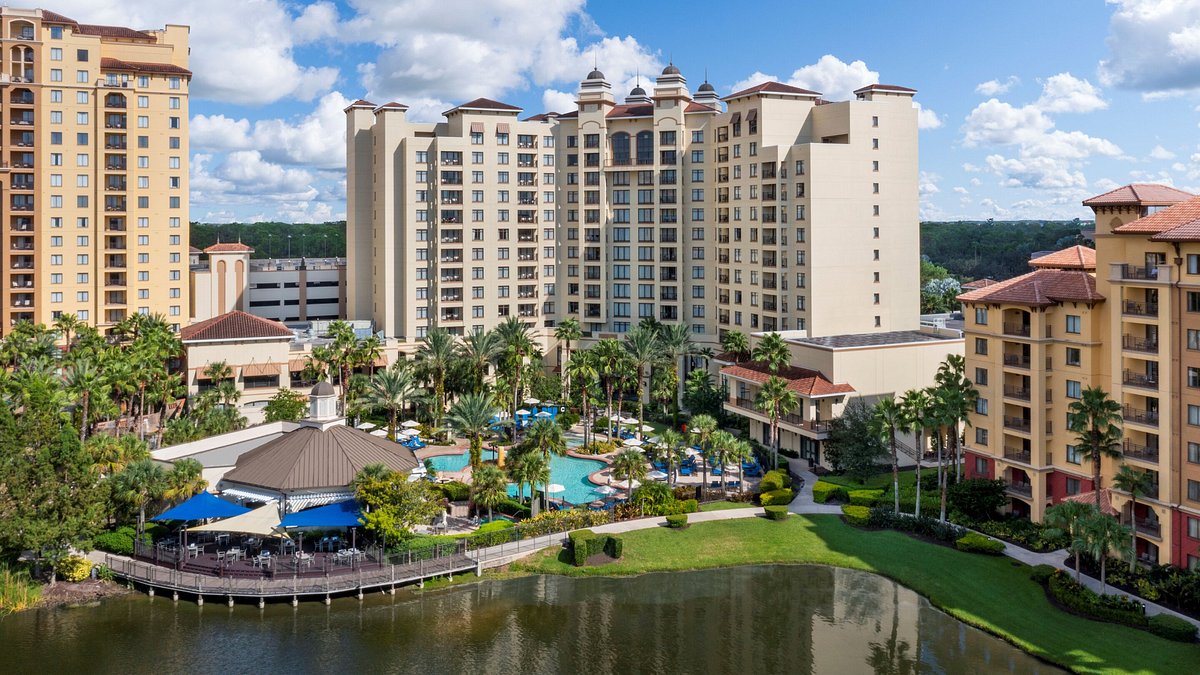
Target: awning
380,362
502,127
736,119
300,502
233,372
263,522
342,514
752,115
477,127
252,495
297,365
203,506
260,370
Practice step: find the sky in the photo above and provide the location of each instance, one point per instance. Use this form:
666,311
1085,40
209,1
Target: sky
1027,107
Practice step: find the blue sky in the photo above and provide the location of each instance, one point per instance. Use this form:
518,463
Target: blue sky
1027,107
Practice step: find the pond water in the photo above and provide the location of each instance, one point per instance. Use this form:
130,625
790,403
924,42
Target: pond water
795,619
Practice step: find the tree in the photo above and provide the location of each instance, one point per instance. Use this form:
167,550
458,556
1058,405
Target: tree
392,389
916,405
1095,419
978,498
610,358
110,456
676,340
886,418
851,446
644,349
566,332
1070,519
1103,533
581,369
664,388
394,505
490,487
434,358
477,352
472,415
532,468
1137,484
670,449
959,398
516,345
775,399
137,486
286,406
83,381
741,452
342,348
940,295
772,352
723,444
546,438
629,465
704,426
184,480
699,395
735,343
66,324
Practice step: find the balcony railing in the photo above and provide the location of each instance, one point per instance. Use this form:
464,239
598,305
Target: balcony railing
1132,414
1136,273
1017,454
1018,423
1146,526
815,426
1022,393
1134,379
1021,329
1022,489
1016,361
1141,308
1145,453
1140,344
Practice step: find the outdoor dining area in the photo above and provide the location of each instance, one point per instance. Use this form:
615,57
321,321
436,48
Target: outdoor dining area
232,540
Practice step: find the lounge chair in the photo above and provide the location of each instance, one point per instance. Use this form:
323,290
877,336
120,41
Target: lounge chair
716,471
685,470
714,484
733,483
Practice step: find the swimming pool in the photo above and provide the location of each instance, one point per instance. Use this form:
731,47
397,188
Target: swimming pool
570,472
458,462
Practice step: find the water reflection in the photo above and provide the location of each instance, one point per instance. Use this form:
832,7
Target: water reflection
745,620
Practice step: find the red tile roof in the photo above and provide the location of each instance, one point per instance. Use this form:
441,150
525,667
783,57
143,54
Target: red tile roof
1090,498
193,249
632,110
360,103
1039,288
771,88
1160,222
884,87
484,104
1141,194
693,107
541,117
805,382
108,63
978,283
1073,258
234,325
113,32
229,247
392,105
55,17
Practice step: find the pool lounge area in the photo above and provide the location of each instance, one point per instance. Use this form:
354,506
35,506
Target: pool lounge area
570,472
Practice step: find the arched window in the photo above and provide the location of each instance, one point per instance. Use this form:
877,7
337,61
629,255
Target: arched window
620,148
20,30
645,147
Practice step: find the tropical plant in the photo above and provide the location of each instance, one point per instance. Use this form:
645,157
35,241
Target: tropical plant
286,406
959,396
629,465
472,416
670,449
772,352
676,341
704,426
581,369
737,344
516,345
183,481
915,407
566,332
531,468
490,487
1137,484
887,417
392,389
610,359
137,486
1095,419
66,324
1102,533
1070,519
775,399
83,382
546,437
477,352
435,356
393,505
644,349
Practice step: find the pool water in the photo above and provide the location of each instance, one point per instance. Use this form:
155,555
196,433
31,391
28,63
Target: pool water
570,472
458,462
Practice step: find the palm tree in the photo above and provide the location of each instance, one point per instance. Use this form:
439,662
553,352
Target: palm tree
945,423
960,397
369,473
1070,519
83,381
490,486
344,344
644,349
704,426
915,406
772,352
1136,483
775,400
609,358
723,443
478,350
434,358
111,455
139,484
629,465
676,340
670,447
885,419
392,389
472,416
1103,533
66,324
1095,420
566,332
736,343
370,350
532,468
741,452
546,437
581,369
516,345
184,480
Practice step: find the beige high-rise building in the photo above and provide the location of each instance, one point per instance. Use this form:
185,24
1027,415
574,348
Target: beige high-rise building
769,210
94,170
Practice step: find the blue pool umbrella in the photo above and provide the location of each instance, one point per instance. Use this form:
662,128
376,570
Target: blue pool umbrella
341,514
201,507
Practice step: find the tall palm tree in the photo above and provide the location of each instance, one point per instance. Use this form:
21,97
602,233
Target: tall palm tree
629,465
581,370
478,350
369,350
83,381
609,358
915,405
885,420
490,486
392,389
772,352
704,426
944,417
111,456
1137,484
960,398
723,442
1070,519
66,324
736,343
516,345
566,332
530,468
644,349
1095,419
741,452
434,358
670,448
472,415
775,400
184,480
1102,534
546,437
344,344
138,485
676,339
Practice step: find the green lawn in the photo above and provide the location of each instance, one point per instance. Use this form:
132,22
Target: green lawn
993,593
725,506
880,481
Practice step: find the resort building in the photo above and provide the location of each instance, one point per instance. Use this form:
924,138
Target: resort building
290,290
95,170
1125,318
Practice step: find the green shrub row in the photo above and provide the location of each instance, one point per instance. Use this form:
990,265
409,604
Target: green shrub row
823,492
777,497
865,497
1177,587
858,516
586,543
514,508
1115,608
1020,531
924,526
691,506
973,542
1042,573
119,541
1172,628
774,480
776,512
455,491
678,521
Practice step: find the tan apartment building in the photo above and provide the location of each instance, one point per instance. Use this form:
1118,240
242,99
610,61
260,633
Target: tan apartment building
94,170
1129,324
769,210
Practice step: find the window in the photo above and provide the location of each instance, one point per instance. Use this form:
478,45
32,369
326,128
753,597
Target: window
1193,377
1073,356
56,75
1073,486
1193,339
1193,301
1074,389
981,316
1194,533
981,345
1193,263
1074,325
981,406
1193,450
1194,490
1193,415
981,377
981,438
1073,455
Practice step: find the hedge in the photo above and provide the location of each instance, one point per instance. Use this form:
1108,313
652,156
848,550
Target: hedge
776,512
586,543
924,526
823,492
865,497
1172,628
691,506
777,497
74,568
1042,573
774,480
677,522
859,516
973,542
119,541
1114,608
514,508
455,491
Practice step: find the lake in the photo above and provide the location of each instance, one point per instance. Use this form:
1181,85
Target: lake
747,620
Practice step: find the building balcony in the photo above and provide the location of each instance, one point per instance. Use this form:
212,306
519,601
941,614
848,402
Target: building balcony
1020,393
1137,451
1019,329
1017,423
1134,379
1141,308
1149,527
1139,344
1017,455
1020,489
1016,361
1157,274
1132,414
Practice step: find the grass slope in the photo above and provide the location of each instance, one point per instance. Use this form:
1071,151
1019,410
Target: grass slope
993,593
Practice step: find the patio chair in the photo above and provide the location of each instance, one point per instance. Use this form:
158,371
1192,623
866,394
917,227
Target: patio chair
716,471
685,470
714,484
733,483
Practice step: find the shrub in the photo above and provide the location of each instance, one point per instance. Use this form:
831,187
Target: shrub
514,508
924,526
582,542
74,568
119,541
655,499
1115,608
977,498
865,497
567,419
1172,628
1042,573
690,506
823,492
973,542
776,512
614,546
677,522
774,480
456,491
859,516
777,497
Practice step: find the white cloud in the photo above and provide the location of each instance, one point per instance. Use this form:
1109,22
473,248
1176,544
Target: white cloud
755,78
926,118
834,78
927,183
557,101
1154,47
1159,152
317,139
1066,93
961,190
241,50
994,87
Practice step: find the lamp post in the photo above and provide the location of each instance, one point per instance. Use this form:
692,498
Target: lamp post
289,246
268,251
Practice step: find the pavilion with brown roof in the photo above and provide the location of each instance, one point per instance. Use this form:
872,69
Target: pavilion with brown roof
235,326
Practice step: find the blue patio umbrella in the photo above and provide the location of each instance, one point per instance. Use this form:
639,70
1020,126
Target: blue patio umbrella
202,507
341,514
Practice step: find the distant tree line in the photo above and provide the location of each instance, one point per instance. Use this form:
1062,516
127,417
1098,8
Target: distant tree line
999,250
275,240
